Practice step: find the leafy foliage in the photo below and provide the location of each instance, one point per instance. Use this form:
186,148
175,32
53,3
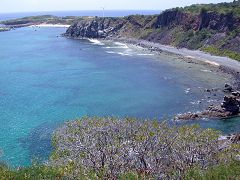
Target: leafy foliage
32,172
221,8
222,171
222,52
110,148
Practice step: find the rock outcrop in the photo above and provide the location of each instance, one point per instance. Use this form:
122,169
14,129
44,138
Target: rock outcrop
229,107
95,28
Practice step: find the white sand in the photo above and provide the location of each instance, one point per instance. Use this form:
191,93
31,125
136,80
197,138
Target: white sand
52,25
196,55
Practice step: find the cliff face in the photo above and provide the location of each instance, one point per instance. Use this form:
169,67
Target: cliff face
95,28
109,27
211,31
204,20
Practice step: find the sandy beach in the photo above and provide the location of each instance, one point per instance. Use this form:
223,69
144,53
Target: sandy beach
51,25
195,55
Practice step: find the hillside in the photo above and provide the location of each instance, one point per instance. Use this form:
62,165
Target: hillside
34,20
213,28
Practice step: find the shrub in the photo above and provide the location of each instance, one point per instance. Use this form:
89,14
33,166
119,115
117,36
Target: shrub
110,148
222,52
32,172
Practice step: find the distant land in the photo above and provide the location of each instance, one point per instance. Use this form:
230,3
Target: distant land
107,13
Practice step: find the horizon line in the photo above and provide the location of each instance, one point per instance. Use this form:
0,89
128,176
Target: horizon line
82,10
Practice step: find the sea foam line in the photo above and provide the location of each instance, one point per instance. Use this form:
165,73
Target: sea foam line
95,41
145,54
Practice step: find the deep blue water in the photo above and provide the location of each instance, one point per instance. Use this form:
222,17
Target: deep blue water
108,13
46,80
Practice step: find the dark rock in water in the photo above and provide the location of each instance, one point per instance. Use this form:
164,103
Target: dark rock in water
216,112
229,107
187,116
236,93
228,88
231,104
211,112
208,90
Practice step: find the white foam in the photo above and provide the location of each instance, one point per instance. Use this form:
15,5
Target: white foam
124,54
212,63
187,90
116,47
145,54
196,102
95,41
121,45
111,52
205,70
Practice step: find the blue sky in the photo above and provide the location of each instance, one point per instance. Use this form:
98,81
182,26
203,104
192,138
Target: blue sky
58,5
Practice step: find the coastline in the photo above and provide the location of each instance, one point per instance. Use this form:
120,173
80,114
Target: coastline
224,64
51,25
197,55
221,63
225,109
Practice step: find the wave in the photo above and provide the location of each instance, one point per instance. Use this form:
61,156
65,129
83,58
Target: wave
119,53
187,90
205,70
121,45
95,41
124,54
145,54
117,47
111,52
196,102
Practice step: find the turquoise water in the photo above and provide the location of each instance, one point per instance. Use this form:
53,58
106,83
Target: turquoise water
46,80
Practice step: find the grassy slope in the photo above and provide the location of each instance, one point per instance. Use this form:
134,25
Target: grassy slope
197,39
228,171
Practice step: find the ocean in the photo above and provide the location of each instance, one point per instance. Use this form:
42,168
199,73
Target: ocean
46,79
107,13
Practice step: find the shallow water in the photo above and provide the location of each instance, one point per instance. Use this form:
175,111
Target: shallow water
46,80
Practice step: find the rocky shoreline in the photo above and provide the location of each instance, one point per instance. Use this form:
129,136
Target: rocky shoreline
228,108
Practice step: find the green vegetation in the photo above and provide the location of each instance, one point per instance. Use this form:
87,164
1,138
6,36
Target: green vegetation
111,148
33,172
221,8
222,52
49,19
116,148
227,171
4,29
213,28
